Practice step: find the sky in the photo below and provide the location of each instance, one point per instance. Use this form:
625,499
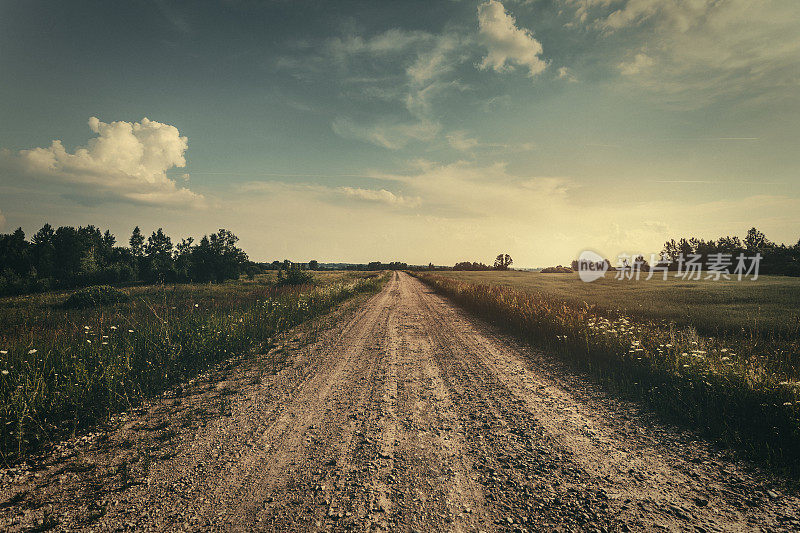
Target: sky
418,131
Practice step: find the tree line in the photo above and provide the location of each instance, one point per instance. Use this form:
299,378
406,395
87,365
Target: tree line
501,262
69,257
776,259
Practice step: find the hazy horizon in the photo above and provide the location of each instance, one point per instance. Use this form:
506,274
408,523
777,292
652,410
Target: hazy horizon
416,131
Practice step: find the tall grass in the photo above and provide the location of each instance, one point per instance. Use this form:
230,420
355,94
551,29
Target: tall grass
741,390
61,370
768,308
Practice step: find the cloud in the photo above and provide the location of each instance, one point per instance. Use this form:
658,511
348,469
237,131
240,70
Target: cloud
565,73
418,68
446,52
380,196
705,49
391,135
505,42
125,162
390,42
459,140
640,62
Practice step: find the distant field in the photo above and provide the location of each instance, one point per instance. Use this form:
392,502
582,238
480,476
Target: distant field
769,305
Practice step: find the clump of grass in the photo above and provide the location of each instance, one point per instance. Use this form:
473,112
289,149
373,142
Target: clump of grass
94,296
62,370
741,391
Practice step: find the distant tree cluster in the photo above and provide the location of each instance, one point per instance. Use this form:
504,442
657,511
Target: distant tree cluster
501,262
777,259
377,265
473,266
72,257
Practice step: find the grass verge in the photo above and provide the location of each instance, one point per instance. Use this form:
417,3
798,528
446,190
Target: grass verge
742,392
63,370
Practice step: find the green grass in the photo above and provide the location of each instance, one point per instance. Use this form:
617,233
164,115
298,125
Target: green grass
62,370
740,386
768,307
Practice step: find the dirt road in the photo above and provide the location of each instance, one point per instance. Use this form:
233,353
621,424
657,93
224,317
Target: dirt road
400,413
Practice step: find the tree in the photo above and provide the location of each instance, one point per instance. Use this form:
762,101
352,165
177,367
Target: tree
137,242
109,240
502,262
159,252
756,241
43,251
313,264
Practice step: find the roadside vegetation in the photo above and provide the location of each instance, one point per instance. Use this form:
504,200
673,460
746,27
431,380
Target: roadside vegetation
69,360
734,375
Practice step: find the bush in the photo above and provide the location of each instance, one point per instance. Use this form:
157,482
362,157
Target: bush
94,296
293,276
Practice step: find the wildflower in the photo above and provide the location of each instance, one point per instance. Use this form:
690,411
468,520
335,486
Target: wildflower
32,351
197,305
104,343
89,341
3,352
130,331
87,328
113,327
684,354
668,345
5,372
726,359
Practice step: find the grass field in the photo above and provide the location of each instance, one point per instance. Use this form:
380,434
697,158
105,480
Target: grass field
62,370
769,306
723,357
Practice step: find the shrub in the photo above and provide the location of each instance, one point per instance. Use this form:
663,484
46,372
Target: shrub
95,296
293,276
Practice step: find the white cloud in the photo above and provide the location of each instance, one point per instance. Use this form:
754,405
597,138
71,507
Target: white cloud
565,73
704,49
505,42
391,135
127,161
447,51
390,42
640,62
380,196
459,140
